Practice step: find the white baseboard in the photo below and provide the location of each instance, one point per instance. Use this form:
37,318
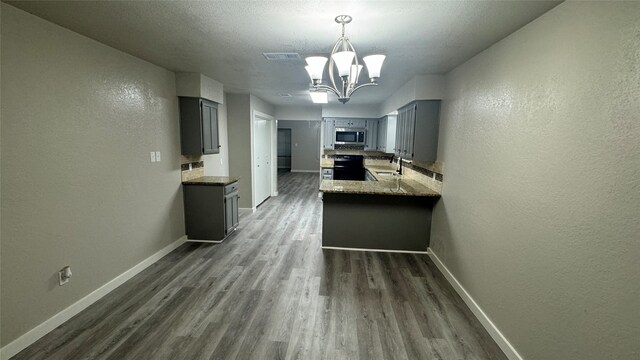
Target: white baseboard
251,209
491,328
374,250
58,319
305,171
205,241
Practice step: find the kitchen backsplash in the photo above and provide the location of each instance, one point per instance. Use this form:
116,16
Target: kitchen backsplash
412,171
192,167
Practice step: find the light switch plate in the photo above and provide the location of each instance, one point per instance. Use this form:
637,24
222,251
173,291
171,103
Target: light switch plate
153,156
158,156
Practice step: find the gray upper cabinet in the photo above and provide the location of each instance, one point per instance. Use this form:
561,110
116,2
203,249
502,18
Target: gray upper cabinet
382,134
387,134
351,123
198,126
371,138
328,129
417,130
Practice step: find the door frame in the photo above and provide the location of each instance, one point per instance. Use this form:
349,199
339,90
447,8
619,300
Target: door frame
273,144
289,131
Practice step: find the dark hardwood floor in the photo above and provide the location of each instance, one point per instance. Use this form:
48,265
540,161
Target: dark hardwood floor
270,292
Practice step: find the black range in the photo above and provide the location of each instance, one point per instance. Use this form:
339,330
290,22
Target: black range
349,167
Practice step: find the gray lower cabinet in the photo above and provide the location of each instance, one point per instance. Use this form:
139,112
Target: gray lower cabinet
198,126
327,173
210,211
378,222
230,208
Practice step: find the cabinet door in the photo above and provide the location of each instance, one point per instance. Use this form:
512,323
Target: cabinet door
405,131
358,123
426,131
382,134
236,209
210,138
399,134
198,127
372,134
329,133
390,141
230,212
342,123
410,131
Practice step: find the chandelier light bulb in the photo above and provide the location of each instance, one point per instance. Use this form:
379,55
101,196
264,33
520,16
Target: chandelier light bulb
374,65
315,66
343,60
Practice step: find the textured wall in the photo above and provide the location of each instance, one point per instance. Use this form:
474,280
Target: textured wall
78,188
239,131
313,112
240,109
540,137
305,144
420,87
351,110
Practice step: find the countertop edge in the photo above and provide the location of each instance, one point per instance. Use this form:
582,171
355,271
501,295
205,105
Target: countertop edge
212,181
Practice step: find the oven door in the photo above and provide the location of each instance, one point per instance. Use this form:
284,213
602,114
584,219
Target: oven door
350,136
348,173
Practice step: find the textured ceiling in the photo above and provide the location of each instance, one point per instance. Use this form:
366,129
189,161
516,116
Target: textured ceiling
225,39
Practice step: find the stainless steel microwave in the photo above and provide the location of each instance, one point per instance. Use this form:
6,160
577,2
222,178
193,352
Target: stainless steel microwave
347,136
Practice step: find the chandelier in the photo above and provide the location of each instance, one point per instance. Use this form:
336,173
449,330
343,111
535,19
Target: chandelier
344,59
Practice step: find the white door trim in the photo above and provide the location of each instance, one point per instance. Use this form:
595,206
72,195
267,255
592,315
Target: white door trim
258,115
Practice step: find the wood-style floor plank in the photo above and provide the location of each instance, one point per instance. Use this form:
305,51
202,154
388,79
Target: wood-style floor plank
271,292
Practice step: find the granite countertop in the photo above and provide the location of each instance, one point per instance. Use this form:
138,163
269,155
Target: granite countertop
326,163
386,185
212,180
355,152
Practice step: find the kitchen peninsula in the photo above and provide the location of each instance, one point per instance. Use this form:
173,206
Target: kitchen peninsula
392,212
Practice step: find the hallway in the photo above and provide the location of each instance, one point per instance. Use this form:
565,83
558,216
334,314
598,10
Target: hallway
270,292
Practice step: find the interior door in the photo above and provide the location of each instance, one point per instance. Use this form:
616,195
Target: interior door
261,159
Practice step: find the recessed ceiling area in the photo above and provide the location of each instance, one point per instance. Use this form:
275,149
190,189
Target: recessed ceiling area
225,40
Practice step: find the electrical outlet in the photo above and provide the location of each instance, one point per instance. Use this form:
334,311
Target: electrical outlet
64,275
158,156
153,156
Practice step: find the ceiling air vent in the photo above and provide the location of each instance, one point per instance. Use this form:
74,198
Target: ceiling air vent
282,56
